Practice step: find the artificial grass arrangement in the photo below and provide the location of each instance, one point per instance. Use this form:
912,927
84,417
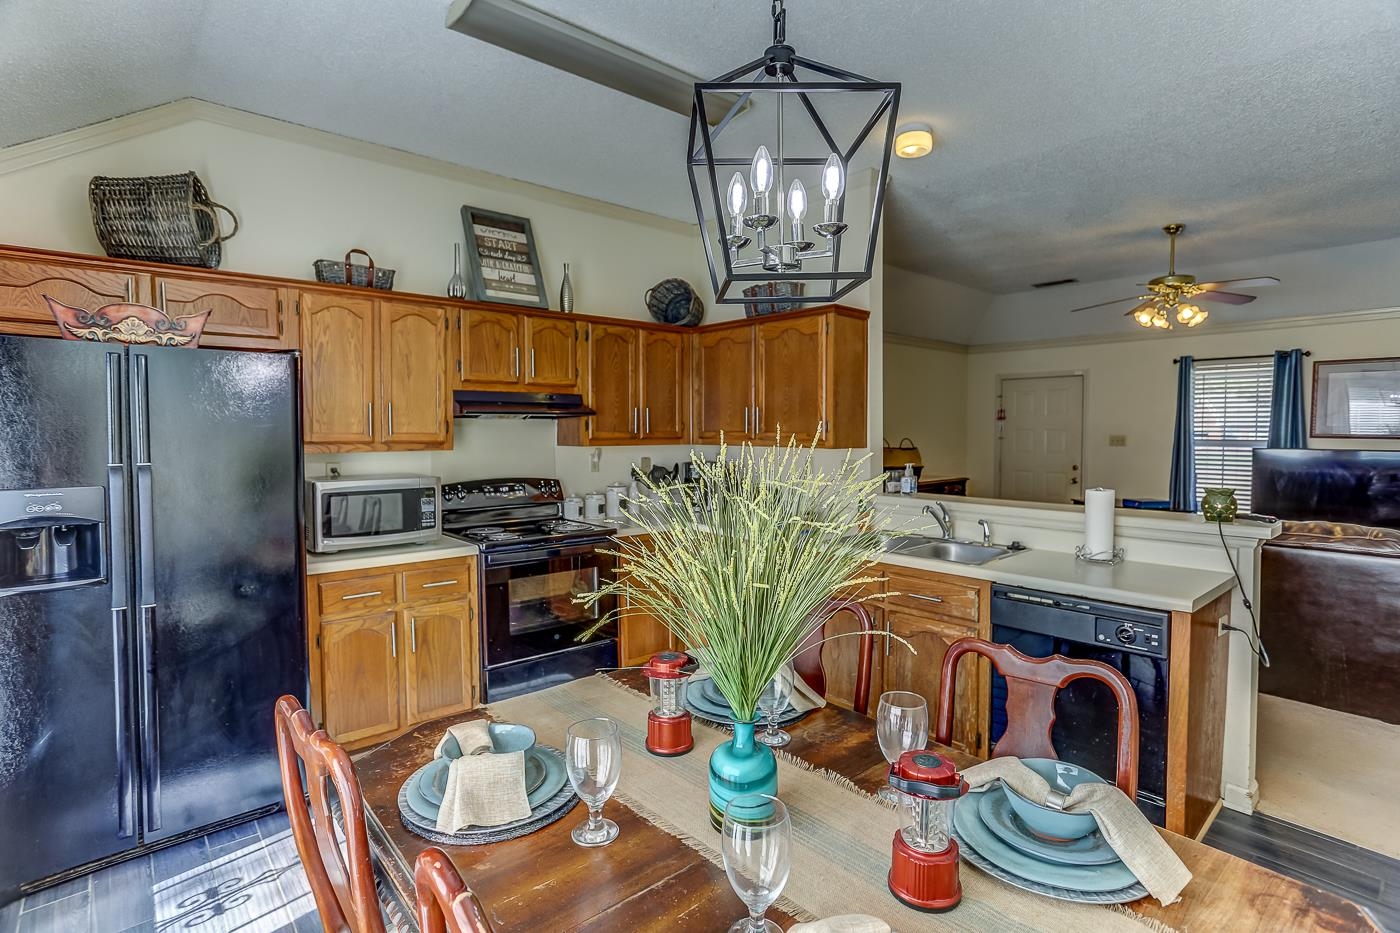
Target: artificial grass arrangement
739,565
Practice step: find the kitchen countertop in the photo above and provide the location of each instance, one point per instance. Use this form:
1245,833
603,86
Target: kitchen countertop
369,558
1133,583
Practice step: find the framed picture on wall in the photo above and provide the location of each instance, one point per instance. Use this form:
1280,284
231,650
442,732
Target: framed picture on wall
504,262
1356,398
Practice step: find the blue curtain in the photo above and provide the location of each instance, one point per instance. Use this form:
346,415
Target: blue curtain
1286,427
1183,488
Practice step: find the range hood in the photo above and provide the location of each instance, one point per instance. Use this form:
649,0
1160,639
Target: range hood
541,405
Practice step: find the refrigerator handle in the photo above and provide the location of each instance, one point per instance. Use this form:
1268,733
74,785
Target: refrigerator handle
149,720
126,774
118,580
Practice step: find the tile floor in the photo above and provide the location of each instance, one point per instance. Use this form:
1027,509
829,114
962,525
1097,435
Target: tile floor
246,878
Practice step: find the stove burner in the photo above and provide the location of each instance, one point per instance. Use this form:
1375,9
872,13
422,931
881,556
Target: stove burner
488,530
564,526
497,535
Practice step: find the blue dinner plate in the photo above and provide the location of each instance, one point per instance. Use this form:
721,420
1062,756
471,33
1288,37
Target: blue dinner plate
426,786
709,691
719,711
995,810
1088,879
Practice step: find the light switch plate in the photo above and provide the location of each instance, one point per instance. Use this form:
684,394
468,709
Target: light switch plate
1118,440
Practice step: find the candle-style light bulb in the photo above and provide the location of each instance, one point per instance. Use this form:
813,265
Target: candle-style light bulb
797,201
738,196
833,178
761,174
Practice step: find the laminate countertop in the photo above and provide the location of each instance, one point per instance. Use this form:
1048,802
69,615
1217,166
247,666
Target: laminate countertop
369,558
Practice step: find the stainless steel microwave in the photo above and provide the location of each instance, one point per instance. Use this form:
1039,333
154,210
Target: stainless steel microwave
347,512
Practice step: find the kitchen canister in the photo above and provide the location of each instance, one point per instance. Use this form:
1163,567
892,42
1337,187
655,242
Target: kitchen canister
616,493
593,506
573,508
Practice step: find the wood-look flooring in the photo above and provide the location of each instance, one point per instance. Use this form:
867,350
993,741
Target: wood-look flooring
246,878
1368,878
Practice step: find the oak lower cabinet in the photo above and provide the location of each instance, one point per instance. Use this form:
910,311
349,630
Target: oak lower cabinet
841,656
392,647
639,635
637,380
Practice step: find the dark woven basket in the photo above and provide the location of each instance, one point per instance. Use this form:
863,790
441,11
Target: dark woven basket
673,301
158,218
772,290
334,272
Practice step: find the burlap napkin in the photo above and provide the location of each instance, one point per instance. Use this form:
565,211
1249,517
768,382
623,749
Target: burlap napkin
846,923
801,697
483,790
1124,828
472,737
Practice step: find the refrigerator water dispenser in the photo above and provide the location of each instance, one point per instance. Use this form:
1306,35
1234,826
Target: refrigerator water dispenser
51,538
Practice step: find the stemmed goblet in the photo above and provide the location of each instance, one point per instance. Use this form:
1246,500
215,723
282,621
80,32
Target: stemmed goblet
771,702
901,725
593,755
757,847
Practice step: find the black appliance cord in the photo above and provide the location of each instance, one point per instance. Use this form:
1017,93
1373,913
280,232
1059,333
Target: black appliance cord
1256,644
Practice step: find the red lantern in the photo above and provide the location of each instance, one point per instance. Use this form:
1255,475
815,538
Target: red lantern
668,723
924,864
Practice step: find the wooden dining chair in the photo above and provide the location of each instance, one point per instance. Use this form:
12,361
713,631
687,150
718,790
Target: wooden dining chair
343,884
1031,685
445,903
808,662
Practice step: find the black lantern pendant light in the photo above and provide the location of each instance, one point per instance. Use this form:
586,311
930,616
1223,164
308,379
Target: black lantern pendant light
747,174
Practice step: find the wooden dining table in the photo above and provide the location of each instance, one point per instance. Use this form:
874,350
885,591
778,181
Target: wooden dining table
649,880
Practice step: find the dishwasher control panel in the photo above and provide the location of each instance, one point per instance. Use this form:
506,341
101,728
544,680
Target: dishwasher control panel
1133,636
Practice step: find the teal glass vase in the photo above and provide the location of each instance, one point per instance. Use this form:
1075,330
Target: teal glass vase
738,767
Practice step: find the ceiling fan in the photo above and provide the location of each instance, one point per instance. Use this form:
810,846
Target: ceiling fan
1168,295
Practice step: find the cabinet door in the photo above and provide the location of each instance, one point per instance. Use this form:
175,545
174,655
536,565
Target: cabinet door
791,378
24,282
551,354
360,677
921,673
338,375
724,384
612,383
438,665
242,317
665,380
490,347
841,660
413,375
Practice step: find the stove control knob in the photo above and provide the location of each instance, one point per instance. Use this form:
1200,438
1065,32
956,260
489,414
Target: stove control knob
1126,634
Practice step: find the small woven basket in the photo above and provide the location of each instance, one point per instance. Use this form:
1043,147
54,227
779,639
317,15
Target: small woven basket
673,301
772,290
335,272
158,218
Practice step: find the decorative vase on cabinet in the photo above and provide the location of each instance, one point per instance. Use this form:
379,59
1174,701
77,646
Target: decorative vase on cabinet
738,767
456,286
566,292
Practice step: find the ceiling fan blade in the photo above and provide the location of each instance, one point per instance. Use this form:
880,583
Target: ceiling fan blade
1257,282
526,31
1229,298
1105,304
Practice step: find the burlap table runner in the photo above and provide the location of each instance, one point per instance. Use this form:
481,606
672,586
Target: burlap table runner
841,835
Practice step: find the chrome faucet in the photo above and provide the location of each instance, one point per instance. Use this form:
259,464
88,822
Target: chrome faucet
986,532
939,511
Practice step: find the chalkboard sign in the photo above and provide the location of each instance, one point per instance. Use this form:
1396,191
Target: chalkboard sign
505,265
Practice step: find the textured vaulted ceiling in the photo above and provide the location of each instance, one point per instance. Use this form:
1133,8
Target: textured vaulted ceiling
1069,131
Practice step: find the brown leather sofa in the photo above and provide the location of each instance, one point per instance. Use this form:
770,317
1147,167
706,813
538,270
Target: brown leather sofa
1329,607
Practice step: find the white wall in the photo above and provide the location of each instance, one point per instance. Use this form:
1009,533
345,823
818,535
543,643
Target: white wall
918,305
1130,389
925,396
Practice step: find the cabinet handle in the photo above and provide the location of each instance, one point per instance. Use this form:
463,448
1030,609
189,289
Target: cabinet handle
532,362
647,429
130,290
757,420
393,639
635,420
363,595
930,599
517,361
369,418
746,419
280,327
429,586
887,636
821,430
413,634
160,302
391,419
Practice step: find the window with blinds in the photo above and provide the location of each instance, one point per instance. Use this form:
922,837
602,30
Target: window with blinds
1231,418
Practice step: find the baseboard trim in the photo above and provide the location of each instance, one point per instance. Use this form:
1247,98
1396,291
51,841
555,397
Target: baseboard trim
1242,799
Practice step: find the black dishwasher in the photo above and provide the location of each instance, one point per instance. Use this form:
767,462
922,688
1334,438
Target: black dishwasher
1132,641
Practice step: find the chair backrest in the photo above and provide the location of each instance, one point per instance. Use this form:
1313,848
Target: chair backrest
343,885
808,662
1031,685
445,905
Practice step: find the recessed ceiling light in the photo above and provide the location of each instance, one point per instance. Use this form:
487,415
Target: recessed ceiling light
913,140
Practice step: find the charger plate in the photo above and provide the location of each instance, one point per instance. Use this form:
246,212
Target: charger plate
706,702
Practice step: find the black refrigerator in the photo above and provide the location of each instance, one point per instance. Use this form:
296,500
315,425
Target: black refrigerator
150,594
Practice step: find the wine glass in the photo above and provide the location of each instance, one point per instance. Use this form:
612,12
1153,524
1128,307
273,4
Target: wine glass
593,752
771,702
757,844
901,724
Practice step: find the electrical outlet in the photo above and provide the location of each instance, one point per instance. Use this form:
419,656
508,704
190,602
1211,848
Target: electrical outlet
1118,440
595,459
1222,625
333,469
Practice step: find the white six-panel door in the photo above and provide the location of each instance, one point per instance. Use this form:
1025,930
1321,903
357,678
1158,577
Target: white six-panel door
1041,438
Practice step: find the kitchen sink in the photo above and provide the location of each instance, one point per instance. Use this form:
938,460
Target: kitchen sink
957,552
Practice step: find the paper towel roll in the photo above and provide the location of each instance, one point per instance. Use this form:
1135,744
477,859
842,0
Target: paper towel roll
1098,522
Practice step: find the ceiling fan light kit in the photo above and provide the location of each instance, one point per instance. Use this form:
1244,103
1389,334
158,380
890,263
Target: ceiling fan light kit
734,181
1168,295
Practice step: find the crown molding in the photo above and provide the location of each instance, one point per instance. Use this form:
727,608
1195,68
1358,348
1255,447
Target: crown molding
926,343
1284,323
190,109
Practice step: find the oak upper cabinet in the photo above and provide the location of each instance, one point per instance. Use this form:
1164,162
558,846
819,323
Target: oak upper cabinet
338,336
790,378
724,385
490,347
415,403
665,385
613,388
637,380
360,670
25,280
551,354
515,351
243,315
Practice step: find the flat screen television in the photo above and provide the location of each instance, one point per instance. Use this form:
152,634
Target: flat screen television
1360,487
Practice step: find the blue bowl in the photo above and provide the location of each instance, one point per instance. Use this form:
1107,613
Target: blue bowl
1047,822
505,737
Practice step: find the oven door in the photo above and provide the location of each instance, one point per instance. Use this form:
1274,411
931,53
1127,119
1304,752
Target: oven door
356,517
528,607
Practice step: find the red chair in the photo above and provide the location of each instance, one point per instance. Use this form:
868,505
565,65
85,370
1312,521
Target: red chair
445,904
808,663
344,887
1031,685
